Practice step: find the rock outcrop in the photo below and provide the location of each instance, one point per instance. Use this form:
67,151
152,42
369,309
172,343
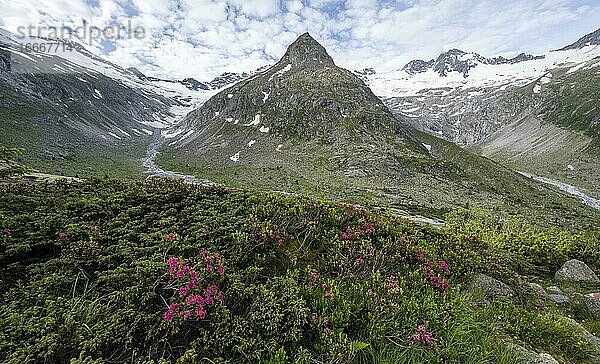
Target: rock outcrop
576,271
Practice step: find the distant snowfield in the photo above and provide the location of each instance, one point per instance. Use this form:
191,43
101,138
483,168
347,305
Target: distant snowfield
398,83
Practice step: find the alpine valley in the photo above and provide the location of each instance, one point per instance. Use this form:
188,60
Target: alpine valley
330,201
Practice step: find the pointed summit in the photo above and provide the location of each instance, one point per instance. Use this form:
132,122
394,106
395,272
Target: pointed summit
306,50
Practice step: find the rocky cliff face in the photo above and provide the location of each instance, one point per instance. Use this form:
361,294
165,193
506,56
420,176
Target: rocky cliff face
592,38
459,61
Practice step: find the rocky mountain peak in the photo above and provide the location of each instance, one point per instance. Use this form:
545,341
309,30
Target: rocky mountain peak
306,50
417,66
303,100
456,60
592,38
454,52
365,71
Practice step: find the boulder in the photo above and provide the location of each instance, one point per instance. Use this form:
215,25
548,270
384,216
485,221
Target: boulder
559,299
583,334
555,290
531,357
542,358
539,291
576,271
592,301
492,288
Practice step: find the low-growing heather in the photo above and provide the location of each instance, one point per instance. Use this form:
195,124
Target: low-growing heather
163,271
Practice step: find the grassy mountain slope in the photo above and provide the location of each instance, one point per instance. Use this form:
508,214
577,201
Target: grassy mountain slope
76,121
556,131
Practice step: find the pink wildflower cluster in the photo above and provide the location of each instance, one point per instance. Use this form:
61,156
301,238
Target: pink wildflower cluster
435,272
63,236
314,319
85,248
437,280
326,290
443,266
314,277
350,211
392,285
214,262
94,229
423,337
194,300
327,330
170,237
356,232
7,232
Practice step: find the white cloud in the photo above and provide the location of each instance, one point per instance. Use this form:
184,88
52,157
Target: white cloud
257,8
203,38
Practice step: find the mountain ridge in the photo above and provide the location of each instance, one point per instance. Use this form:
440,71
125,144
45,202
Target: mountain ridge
456,60
307,126
592,38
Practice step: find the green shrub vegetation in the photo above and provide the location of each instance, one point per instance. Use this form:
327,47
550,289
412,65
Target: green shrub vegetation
163,271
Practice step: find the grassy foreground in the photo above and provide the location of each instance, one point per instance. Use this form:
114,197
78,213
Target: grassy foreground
162,271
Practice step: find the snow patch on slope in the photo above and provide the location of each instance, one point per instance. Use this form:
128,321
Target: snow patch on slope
235,157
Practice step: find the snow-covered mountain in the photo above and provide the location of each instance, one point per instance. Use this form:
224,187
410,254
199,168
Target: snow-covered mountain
456,60
469,70
442,96
536,113
73,111
589,39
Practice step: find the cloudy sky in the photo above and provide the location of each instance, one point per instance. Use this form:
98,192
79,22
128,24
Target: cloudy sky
203,38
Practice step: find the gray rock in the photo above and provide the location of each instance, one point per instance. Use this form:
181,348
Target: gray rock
592,301
555,290
540,292
492,288
559,299
586,336
543,358
531,357
576,271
